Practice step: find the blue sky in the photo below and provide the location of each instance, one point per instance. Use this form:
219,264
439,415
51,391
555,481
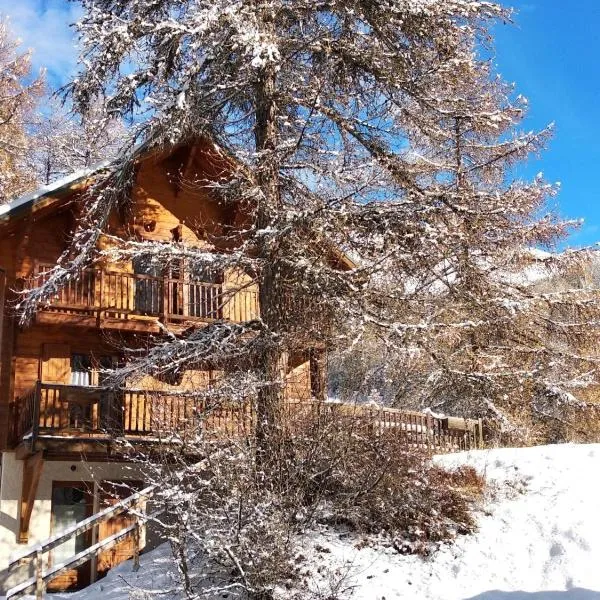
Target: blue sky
552,54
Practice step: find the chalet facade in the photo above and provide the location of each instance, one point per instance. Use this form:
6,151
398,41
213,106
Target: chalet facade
61,429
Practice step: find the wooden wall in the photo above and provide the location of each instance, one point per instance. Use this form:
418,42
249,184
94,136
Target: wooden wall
40,238
161,208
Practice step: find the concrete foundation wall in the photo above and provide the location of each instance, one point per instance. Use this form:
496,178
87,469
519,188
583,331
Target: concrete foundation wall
40,525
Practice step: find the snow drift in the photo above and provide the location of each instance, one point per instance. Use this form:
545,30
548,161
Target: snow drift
538,538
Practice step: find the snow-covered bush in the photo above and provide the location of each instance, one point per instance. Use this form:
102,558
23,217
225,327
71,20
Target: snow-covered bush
341,472
233,516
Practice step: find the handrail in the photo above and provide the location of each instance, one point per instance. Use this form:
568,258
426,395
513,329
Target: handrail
85,524
142,414
38,550
102,292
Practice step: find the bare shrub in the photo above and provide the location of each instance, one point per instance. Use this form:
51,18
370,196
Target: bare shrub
229,530
342,472
235,518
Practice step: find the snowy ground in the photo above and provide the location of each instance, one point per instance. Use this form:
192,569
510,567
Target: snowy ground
539,538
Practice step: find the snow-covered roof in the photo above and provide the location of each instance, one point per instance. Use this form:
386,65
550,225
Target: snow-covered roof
7,210
538,254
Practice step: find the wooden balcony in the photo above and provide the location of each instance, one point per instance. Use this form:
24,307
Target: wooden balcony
54,413
66,419
121,300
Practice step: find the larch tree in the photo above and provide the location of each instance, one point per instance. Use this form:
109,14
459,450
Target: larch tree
372,128
489,329
321,105
360,129
63,143
19,95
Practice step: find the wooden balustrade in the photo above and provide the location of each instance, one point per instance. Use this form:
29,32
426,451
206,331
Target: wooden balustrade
133,505
79,411
24,415
89,411
414,429
120,295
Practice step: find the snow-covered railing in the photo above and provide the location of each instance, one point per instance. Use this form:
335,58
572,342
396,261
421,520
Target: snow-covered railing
120,295
35,553
51,409
415,429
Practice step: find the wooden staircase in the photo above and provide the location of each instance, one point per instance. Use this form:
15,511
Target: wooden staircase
32,559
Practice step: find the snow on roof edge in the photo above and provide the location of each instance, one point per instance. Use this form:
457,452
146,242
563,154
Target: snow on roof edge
10,207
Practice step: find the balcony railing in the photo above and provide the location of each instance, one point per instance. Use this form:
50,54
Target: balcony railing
66,411
50,409
121,295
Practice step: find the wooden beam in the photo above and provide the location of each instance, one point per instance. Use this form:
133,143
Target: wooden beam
32,471
186,169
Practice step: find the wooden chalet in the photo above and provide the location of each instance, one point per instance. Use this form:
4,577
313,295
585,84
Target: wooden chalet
66,438
61,430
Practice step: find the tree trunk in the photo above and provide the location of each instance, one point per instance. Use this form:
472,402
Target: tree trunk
273,360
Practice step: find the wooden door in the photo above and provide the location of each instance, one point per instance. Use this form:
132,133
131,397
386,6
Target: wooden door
55,367
110,494
71,502
56,363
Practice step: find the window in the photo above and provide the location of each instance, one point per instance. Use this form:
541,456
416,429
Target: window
105,363
205,274
81,370
87,371
91,408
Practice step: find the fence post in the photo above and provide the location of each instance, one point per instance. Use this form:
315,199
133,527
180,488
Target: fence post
101,298
39,580
35,426
136,545
166,309
429,439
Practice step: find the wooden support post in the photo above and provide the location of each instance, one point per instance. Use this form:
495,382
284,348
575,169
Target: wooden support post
32,471
35,425
166,309
100,314
317,374
136,545
95,532
39,580
429,444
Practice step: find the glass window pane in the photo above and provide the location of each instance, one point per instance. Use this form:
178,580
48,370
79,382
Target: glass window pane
69,506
